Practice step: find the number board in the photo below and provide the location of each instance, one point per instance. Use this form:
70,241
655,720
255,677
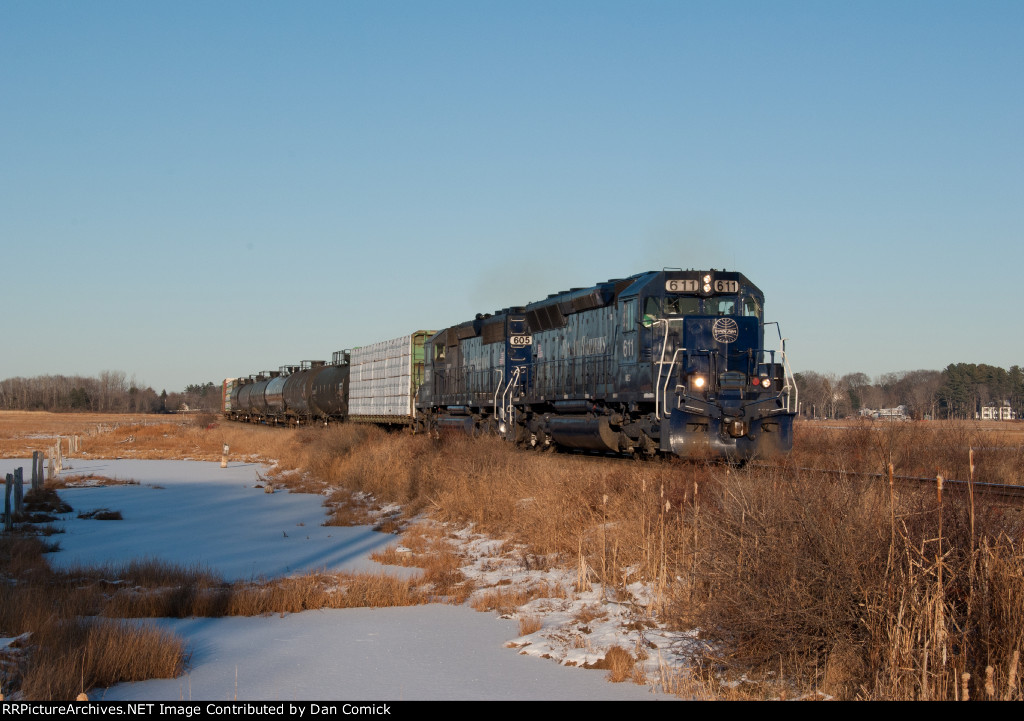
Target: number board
688,285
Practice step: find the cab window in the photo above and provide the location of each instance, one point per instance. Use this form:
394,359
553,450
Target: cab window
682,305
721,306
629,315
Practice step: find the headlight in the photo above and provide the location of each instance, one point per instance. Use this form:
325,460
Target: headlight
765,383
697,382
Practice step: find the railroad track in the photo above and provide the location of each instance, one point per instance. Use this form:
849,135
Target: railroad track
978,488
981,490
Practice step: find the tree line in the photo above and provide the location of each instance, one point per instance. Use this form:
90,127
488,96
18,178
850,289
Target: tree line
958,391
108,392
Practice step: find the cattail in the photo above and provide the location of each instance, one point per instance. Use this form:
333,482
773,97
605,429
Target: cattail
1011,681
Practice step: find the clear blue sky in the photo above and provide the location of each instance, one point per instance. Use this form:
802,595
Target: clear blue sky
194,190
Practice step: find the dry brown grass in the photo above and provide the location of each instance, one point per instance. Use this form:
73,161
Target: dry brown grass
77,655
74,644
795,575
396,556
65,652
851,589
139,436
506,599
45,500
87,479
430,550
530,624
923,448
323,590
350,508
185,440
22,432
620,664
590,613
832,584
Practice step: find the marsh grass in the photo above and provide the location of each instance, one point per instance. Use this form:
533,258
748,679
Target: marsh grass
77,637
507,599
87,479
857,590
76,655
804,582
529,623
101,514
620,664
836,584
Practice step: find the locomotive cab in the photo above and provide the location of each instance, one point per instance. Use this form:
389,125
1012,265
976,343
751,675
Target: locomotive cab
717,386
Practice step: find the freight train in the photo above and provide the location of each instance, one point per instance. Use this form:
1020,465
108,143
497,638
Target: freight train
663,362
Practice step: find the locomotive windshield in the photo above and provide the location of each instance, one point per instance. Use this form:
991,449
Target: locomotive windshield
671,306
679,305
724,305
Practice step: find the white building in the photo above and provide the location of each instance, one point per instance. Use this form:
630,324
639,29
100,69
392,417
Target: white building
997,412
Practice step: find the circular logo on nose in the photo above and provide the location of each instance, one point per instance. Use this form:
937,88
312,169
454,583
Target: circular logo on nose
725,330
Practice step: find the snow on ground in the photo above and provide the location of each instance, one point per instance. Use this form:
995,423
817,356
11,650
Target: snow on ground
433,652
194,512
579,628
190,512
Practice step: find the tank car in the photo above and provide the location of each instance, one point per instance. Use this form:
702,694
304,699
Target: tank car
671,361
313,391
317,392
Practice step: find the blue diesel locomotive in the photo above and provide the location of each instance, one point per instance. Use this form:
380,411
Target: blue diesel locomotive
671,362
667,361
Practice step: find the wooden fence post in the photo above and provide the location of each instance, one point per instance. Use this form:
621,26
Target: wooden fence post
19,490
35,470
8,520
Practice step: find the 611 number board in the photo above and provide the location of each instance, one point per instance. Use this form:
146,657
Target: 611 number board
688,285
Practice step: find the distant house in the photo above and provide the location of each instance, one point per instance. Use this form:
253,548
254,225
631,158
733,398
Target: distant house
899,413
997,412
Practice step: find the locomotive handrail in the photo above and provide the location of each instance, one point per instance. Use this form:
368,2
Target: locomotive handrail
500,412
792,391
668,378
661,364
508,390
